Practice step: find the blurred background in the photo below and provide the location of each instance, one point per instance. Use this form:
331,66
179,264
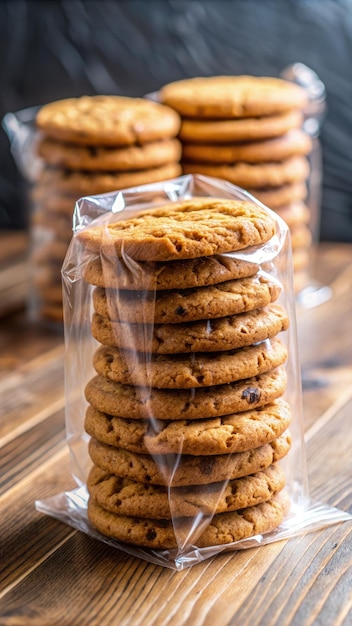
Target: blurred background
52,49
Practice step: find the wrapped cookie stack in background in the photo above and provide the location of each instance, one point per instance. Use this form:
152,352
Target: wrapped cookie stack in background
183,322
248,130
88,145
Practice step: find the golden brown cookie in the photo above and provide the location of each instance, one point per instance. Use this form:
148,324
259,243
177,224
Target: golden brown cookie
294,214
247,129
167,404
279,196
225,333
127,497
295,142
184,230
232,96
97,158
301,236
182,371
222,529
222,435
85,183
183,274
189,305
178,471
258,175
107,120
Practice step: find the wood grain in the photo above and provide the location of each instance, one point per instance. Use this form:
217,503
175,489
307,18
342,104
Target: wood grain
53,575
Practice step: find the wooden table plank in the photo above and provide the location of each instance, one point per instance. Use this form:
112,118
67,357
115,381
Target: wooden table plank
53,575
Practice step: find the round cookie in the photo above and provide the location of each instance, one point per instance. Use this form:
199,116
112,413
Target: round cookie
224,435
294,169
225,333
164,404
97,158
186,470
294,214
301,237
85,183
127,497
184,230
159,534
296,142
183,274
183,371
279,196
232,96
107,120
173,307
246,129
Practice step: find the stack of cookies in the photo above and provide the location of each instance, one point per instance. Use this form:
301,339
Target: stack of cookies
186,414
247,130
92,145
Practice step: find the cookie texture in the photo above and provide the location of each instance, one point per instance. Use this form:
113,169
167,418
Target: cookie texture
256,175
107,120
230,433
213,131
222,529
189,470
113,273
127,497
166,404
183,371
84,183
225,333
102,158
232,96
184,230
173,307
296,142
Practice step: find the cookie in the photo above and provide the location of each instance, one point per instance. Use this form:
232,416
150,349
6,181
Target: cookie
165,404
107,120
98,158
279,196
184,230
184,274
224,528
296,142
225,333
257,175
301,236
127,497
232,96
182,371
189,305
223,435
179,471
217,131
294,214
85,183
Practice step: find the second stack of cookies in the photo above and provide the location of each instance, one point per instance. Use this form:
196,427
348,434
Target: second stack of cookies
92,145
186,413
248,130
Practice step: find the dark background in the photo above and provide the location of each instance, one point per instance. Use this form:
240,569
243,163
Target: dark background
51,49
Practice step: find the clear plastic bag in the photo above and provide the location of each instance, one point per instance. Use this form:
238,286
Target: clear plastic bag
274,261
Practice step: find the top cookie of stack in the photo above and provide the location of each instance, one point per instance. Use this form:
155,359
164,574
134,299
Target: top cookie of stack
91,145
247,130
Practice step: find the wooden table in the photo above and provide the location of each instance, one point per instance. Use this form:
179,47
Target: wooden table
53,575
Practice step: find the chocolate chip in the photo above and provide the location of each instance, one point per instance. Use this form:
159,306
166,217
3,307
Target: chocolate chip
151,534
180,311
251,394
